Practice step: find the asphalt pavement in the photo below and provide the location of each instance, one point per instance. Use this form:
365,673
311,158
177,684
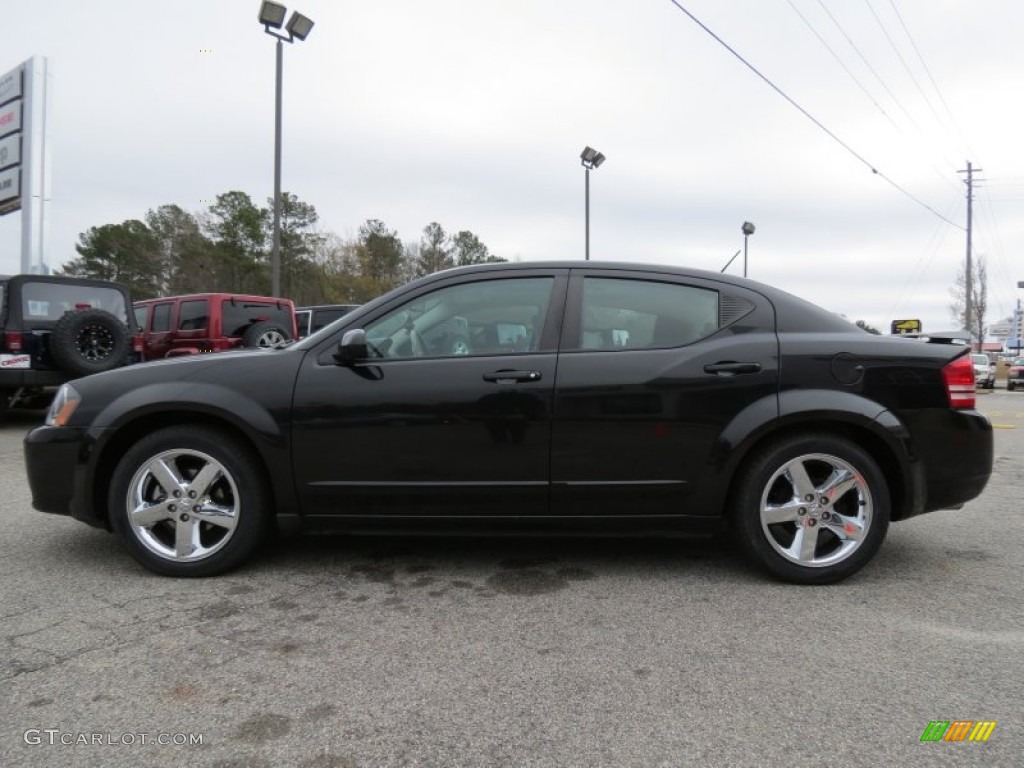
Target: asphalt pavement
514,652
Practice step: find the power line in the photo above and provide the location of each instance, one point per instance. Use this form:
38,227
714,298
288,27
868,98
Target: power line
903,61
842,64
811,117
928,72
944,175
868,64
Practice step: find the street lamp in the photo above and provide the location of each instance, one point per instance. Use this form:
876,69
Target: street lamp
298,27
590,158
748,230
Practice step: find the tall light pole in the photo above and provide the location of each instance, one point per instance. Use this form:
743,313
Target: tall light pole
748,230
590,158
298,27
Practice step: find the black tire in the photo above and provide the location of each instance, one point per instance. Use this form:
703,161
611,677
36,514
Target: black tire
805,540
89,341
226,520
266,334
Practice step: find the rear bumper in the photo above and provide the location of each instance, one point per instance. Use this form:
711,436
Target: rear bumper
57,463
11,379
955,450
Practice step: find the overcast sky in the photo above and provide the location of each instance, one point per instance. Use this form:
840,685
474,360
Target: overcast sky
473,113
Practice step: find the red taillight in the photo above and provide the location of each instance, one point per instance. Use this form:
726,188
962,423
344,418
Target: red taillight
138,343
959,378
12,341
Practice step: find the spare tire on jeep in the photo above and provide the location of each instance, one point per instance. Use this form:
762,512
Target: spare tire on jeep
265,334
89,341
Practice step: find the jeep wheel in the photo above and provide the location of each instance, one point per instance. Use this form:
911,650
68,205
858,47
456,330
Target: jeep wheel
89,341
265,335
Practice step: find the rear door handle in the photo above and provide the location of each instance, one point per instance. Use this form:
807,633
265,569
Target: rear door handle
731,369
512,377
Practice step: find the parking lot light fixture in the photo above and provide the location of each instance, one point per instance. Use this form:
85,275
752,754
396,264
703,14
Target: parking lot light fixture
748,230
272,14
590,159
298,28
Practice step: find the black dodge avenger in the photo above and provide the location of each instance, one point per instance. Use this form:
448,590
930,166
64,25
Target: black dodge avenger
540,397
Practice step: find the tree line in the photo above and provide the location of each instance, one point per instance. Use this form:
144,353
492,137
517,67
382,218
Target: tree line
227,248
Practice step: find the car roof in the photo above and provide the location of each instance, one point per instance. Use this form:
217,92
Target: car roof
199,296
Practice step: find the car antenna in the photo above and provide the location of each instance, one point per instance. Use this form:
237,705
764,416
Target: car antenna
730,261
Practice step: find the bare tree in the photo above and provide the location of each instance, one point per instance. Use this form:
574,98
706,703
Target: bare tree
979,299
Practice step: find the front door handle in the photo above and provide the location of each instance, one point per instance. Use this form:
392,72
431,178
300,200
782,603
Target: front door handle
512,377
731,369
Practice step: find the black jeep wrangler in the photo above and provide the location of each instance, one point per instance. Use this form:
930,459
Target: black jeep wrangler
55,328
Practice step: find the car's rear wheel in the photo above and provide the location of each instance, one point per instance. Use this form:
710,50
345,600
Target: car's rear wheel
812,509
266,334
189,501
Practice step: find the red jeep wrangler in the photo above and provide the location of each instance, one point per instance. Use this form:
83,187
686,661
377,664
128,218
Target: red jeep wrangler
213,322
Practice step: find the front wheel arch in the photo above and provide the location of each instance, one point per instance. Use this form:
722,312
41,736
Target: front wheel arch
130,433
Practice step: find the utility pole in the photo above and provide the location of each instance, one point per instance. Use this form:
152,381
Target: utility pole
969,273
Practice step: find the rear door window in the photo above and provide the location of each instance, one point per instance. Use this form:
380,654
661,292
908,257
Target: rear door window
193,315
644,314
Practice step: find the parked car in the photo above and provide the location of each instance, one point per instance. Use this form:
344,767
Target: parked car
593,397
312,319
1015,375
213,322
54,329
984,371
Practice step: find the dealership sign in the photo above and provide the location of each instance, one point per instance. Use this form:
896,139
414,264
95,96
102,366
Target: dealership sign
10,139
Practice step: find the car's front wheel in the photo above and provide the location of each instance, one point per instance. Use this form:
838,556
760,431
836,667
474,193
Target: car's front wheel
812,509
189,501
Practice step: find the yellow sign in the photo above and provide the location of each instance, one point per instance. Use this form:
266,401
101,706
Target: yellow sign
906,326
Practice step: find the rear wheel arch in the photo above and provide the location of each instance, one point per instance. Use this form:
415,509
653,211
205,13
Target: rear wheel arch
876,447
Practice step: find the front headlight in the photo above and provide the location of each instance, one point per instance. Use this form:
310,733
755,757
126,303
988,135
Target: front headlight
63,405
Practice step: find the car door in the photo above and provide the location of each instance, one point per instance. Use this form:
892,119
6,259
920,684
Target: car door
157,334
421,429
652,370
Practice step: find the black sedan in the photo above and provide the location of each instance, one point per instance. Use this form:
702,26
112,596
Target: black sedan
585,398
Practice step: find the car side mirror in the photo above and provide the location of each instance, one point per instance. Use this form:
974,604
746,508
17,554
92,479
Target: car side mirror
352,348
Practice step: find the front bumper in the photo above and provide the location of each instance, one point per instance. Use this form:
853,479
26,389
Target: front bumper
57,463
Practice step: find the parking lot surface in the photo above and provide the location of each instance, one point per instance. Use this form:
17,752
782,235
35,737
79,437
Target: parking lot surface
514,652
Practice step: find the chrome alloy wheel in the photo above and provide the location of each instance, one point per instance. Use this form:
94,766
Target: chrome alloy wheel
183,505
816,510
272,338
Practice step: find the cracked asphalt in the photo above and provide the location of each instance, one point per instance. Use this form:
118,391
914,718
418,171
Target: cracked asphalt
499,652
